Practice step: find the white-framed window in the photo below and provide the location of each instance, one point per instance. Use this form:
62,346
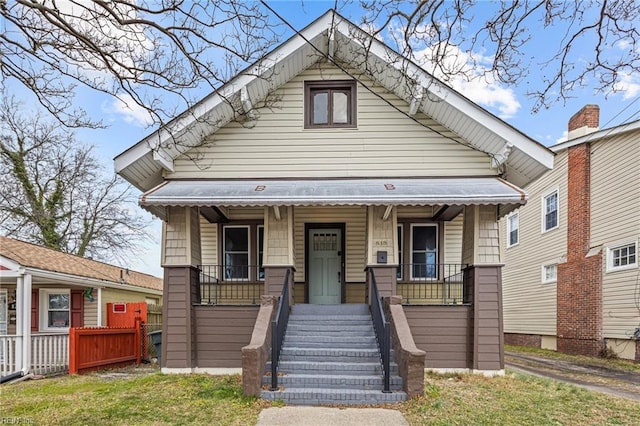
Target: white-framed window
400,262
550,210
55,309
550,273
260,245
236,248
424,251
513,229
622,256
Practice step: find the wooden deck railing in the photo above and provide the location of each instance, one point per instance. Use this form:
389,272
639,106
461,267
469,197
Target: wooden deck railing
49,354
8,354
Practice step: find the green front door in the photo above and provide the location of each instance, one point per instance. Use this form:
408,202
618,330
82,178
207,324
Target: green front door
325,266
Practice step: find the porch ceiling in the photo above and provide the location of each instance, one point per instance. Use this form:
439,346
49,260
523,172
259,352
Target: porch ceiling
333,192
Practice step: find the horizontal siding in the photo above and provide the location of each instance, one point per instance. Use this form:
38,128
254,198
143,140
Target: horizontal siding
221,332
615,218
386,142
209,242
529,306
615,189
443,332
453,240
620,314
90,311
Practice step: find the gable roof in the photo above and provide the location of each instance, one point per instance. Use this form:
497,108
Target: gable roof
597,135
333,36
30,255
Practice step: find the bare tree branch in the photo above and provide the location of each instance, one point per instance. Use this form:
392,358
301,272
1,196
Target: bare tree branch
56,194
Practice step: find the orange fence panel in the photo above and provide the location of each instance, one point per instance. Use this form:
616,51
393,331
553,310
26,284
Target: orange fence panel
91,348
126,314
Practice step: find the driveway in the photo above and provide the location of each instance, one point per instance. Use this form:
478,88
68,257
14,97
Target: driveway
598,378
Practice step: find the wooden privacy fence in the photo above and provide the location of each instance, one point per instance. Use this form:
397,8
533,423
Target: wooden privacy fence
92,348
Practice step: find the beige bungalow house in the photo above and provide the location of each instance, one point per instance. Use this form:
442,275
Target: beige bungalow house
571,253
324,175
43,292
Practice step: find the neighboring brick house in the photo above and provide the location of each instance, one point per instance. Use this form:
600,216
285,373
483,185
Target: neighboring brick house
571,280
43,292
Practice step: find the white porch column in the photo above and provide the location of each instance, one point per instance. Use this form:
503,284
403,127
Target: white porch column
20,324
99,300
26,324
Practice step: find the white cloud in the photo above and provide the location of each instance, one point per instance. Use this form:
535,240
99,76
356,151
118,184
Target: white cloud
628,85
129,111
472,79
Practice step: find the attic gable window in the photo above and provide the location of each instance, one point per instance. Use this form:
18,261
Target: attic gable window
330,104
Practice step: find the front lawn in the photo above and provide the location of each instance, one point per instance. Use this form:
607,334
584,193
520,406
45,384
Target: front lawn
199,399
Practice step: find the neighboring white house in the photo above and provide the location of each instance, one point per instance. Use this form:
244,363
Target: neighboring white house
43,292
571,279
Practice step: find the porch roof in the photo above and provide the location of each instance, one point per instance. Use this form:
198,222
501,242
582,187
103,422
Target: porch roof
333,192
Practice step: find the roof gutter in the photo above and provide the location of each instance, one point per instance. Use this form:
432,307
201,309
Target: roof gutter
87,282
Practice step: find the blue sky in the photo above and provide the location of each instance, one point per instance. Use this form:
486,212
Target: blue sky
127,127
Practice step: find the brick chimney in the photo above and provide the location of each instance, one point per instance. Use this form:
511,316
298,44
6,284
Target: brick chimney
579,281
585,121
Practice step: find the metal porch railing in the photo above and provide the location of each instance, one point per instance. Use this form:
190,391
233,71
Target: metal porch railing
230,284
432,284
382,329
278,329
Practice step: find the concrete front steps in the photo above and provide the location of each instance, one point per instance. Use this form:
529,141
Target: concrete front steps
330,356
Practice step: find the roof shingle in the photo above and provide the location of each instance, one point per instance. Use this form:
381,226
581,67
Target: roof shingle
35,256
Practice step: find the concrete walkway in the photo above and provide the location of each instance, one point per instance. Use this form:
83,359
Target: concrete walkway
323,416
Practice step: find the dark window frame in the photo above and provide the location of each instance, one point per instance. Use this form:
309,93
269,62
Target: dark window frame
329,86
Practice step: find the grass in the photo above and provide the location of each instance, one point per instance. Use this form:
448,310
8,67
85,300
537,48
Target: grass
157,399
621,364
514,399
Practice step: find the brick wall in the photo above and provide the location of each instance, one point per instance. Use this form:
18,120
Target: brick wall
579,283
532,340
588,116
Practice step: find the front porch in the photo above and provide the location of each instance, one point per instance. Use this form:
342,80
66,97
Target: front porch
447,296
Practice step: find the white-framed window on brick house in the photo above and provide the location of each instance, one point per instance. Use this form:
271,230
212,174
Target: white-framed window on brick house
55,309
622,256
236,246
513,229
550,211
550,273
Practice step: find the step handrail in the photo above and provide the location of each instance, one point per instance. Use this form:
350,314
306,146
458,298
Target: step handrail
381,327
278,328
